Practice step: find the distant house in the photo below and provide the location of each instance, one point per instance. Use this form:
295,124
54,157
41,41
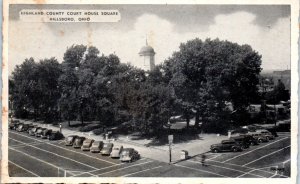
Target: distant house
280,110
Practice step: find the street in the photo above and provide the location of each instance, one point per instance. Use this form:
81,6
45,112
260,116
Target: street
35,157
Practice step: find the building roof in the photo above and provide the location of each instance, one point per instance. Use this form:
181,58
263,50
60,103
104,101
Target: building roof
146,50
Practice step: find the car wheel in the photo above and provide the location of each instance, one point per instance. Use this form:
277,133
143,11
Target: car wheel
252,144
260,140
267,138
215,150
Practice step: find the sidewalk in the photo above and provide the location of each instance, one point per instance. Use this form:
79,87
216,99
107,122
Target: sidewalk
160,153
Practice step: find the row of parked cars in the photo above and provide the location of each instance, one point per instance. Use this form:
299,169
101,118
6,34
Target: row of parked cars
244,140
108,149
35,130
85,144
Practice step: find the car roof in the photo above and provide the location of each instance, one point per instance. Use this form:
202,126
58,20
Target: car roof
227,141
97,141
128,149
108,143
72,136
118,146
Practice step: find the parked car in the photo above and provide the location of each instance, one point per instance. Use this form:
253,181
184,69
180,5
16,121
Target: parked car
45,134
241,140
116,151
226,145
34,130
39,132
259,137
129,155
31,126
87,143
96,147
14,125
20,127
250,139
11,125
70,140
266,133
55,135
273,131
26,127
78,142
107,148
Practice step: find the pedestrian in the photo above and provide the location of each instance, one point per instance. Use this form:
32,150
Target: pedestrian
203,157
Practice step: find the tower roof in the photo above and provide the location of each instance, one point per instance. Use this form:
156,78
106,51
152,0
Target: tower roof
146,49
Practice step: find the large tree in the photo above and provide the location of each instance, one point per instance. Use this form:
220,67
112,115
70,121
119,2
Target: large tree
36,89
207,74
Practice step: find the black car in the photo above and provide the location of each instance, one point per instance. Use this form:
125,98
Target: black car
250,139
46,133
70,140
78,142
55,135
226,145
243,141
14,124
273,131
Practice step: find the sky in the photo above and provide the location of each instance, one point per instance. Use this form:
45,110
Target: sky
266,28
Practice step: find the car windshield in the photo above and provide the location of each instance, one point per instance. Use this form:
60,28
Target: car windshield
116,148
70,138
105,146
96,144
87,143
78,140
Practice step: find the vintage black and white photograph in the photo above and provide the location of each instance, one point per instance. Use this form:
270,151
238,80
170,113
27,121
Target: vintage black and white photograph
150,90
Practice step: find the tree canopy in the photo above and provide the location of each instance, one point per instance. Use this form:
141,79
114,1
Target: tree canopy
199,81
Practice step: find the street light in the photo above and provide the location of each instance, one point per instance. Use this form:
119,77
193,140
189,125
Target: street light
170,139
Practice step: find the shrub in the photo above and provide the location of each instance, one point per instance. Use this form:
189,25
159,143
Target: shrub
98,131
89,127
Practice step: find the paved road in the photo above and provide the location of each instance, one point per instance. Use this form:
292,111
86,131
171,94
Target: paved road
35,157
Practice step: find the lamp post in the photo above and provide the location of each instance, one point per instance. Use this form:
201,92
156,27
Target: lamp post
60,127
170,139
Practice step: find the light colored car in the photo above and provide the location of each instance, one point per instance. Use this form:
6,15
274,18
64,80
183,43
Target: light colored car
116,151
33,131
258,136
129,155
107,148
266,133
87,144
78,142
96,147
70,140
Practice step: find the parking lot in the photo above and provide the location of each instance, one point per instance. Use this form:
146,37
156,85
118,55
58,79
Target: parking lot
34,157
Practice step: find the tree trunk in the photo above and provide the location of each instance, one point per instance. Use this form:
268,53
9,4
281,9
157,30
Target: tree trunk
197,119
69,123
81,116
35,115
187,117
